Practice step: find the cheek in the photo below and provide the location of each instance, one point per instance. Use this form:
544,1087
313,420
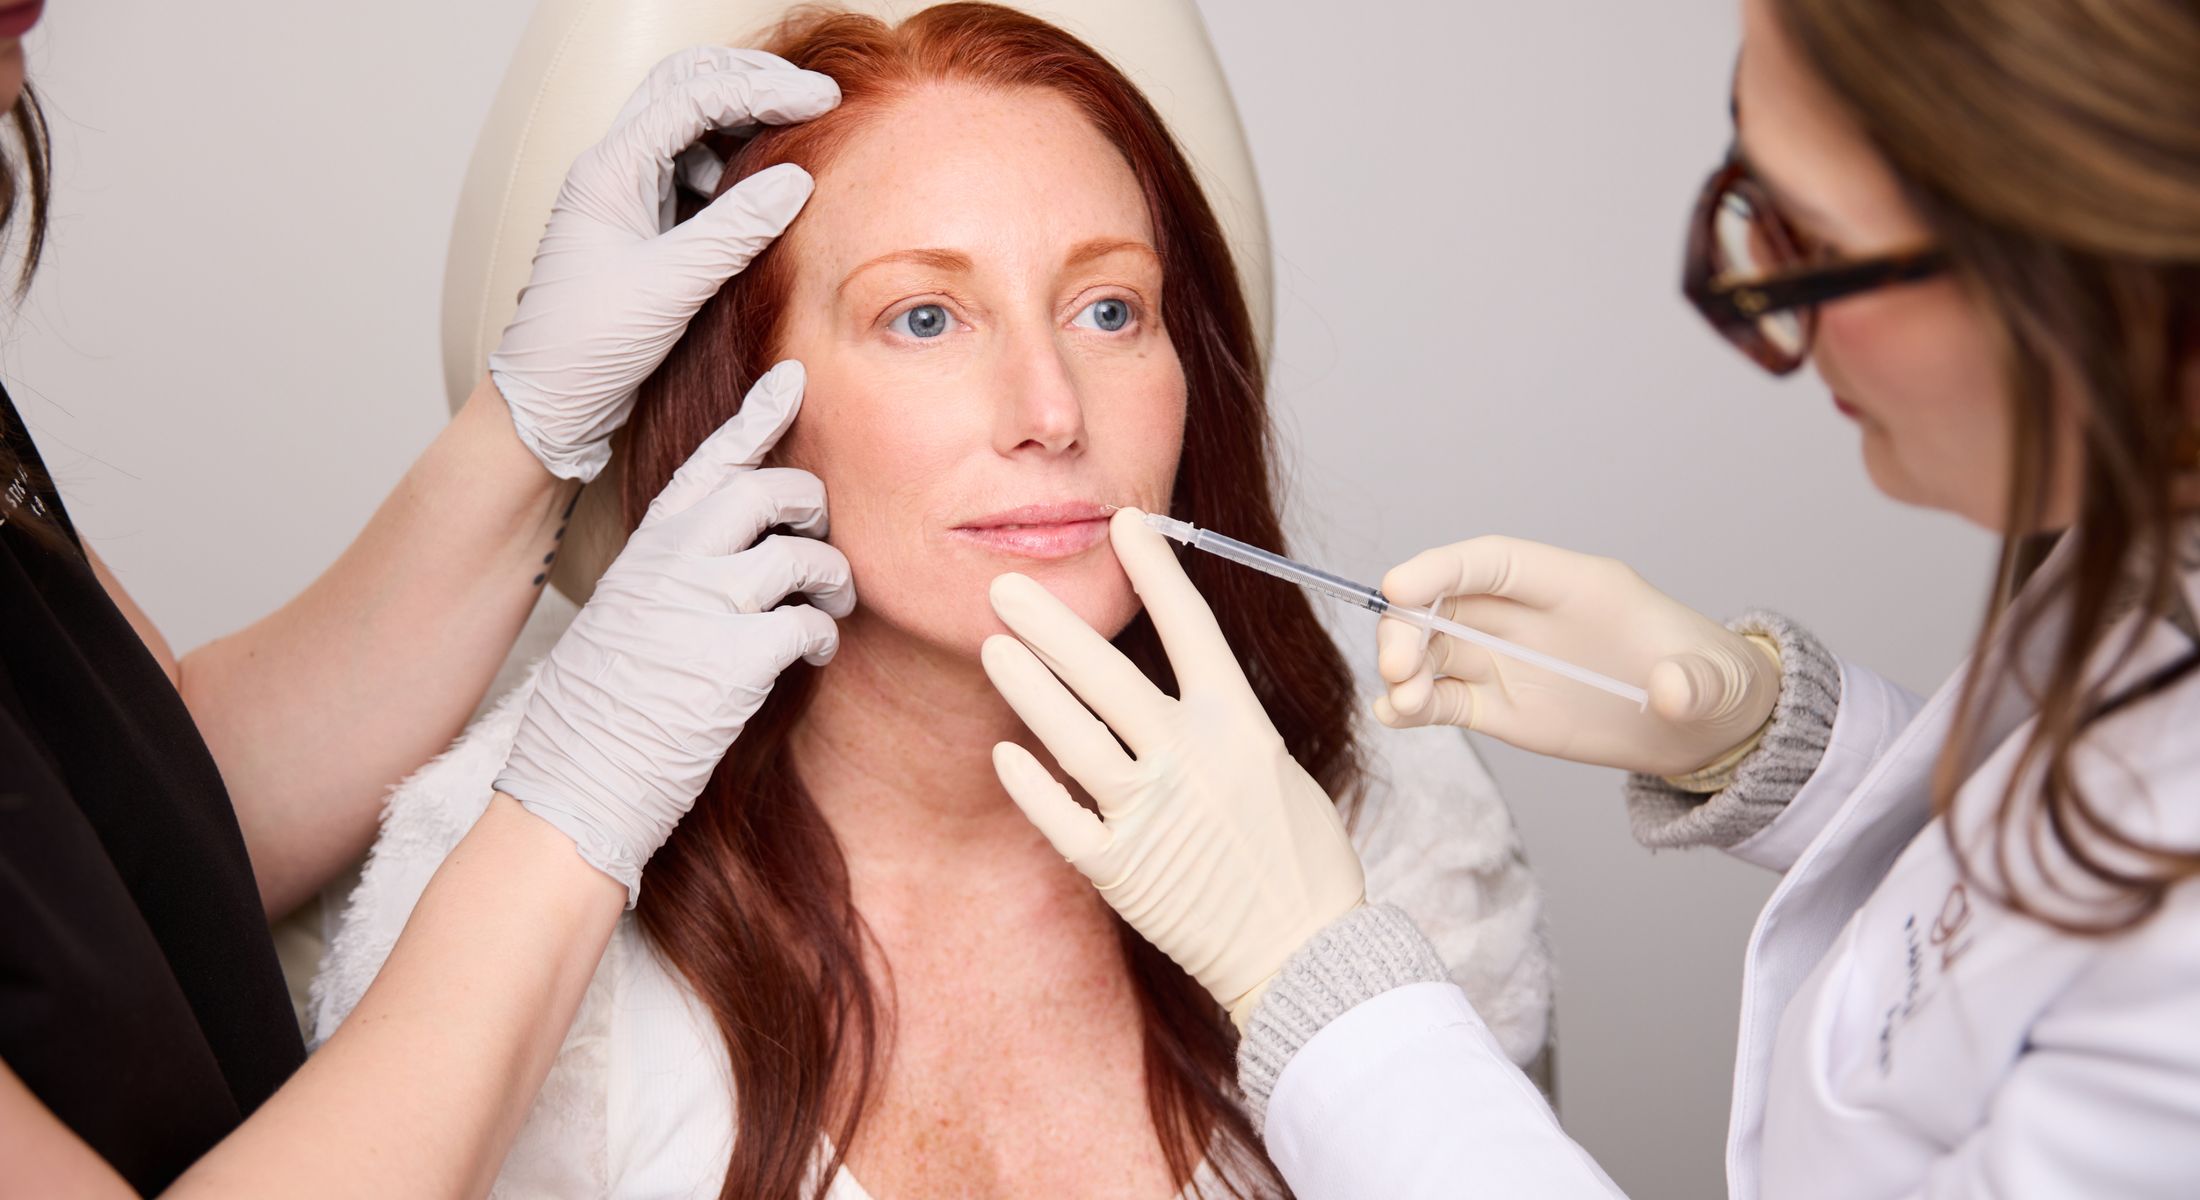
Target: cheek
1919,365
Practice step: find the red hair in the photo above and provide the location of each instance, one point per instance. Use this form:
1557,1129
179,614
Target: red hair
750,899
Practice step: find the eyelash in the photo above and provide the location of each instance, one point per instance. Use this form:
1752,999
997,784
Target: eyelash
897,312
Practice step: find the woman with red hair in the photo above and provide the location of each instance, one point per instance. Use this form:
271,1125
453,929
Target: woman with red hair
1011,312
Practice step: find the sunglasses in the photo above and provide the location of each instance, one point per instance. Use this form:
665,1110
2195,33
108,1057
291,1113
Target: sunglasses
1759,281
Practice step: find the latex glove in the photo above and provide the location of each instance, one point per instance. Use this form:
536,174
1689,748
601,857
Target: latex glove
612,290
1711,690
681,642
1212,842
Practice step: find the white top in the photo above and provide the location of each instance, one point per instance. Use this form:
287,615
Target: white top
639,1103
1902,1036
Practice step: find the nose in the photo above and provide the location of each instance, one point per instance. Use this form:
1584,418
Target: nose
1039,411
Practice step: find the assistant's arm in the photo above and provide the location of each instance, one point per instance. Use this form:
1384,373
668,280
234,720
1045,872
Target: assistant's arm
421,1091
313,711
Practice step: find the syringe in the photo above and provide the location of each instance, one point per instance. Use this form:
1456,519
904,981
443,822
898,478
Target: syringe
1372,599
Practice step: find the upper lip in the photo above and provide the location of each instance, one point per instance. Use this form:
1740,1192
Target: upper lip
1040,514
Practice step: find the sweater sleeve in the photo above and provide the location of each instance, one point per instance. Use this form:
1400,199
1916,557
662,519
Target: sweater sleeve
1450,899
1665,816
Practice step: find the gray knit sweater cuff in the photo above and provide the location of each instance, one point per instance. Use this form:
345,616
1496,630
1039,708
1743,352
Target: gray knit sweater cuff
1665,816
1356,957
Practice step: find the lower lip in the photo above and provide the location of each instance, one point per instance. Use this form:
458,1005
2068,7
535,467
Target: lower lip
17,21
1038,541
1847,409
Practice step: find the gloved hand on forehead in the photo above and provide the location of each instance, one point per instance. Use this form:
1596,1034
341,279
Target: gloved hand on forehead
1210,840
614,283
1711,690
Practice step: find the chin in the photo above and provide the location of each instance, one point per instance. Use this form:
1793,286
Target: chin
1093,585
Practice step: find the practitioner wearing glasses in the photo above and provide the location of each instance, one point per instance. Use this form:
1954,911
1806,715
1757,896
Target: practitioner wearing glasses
1980,221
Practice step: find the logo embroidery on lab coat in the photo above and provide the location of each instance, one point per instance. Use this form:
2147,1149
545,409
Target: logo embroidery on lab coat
1945,942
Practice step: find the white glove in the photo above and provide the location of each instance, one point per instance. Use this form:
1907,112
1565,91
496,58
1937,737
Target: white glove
1212,842
1711,690
680,643
612,290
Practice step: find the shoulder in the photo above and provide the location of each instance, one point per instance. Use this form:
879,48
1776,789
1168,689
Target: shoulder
1427,793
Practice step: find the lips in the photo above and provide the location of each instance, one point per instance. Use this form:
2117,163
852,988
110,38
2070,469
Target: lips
17,19
1057,530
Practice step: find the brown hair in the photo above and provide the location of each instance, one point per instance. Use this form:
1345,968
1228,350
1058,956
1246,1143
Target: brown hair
750,899
2054,148
30,129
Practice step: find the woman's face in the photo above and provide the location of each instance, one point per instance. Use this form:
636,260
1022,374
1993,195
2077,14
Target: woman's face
977,302
1916,367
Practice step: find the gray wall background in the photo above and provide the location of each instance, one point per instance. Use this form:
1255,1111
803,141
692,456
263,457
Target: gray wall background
230,357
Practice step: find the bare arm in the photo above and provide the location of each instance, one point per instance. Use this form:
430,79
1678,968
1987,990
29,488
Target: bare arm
422,1090
315,710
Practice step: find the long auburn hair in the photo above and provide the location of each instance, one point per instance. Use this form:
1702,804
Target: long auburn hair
750,900
34,183
2054,148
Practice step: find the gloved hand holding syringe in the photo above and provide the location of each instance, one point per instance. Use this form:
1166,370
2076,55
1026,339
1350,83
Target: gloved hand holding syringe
1373,600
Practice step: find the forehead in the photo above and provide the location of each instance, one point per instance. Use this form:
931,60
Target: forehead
992,172
1797,132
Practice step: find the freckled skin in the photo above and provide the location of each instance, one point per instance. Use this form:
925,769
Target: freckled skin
1015,405
1016,1064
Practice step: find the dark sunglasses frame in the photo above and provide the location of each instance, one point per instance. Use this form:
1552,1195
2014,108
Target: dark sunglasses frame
1734,306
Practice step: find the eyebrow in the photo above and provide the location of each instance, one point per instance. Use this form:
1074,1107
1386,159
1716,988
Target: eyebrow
940,259
1789,202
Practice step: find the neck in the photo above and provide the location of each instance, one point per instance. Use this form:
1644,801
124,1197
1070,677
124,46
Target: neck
896,750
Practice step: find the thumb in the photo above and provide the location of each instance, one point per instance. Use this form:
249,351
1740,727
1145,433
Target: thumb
1702,687
1076,834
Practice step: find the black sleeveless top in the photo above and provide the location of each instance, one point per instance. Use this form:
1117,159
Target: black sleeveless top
140,998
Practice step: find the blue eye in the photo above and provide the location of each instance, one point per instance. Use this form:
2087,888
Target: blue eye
923,321
1108,316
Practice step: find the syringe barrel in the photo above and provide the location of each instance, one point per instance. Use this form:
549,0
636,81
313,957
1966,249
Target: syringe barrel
1287,569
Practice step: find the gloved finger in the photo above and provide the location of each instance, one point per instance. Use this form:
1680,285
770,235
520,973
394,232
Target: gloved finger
1098,672
684,111
1075,833
730,519
798,631
1401,650
1189,634
682,65
720,241
698,169
1074,736
1529,572
739,444
1448,702
780,566
1701,686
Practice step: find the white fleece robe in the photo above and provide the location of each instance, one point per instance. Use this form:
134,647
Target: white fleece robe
638,1102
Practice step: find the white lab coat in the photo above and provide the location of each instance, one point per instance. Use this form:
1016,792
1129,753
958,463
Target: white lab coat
1901,1035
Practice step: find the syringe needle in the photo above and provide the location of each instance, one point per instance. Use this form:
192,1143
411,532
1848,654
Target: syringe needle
1372,599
